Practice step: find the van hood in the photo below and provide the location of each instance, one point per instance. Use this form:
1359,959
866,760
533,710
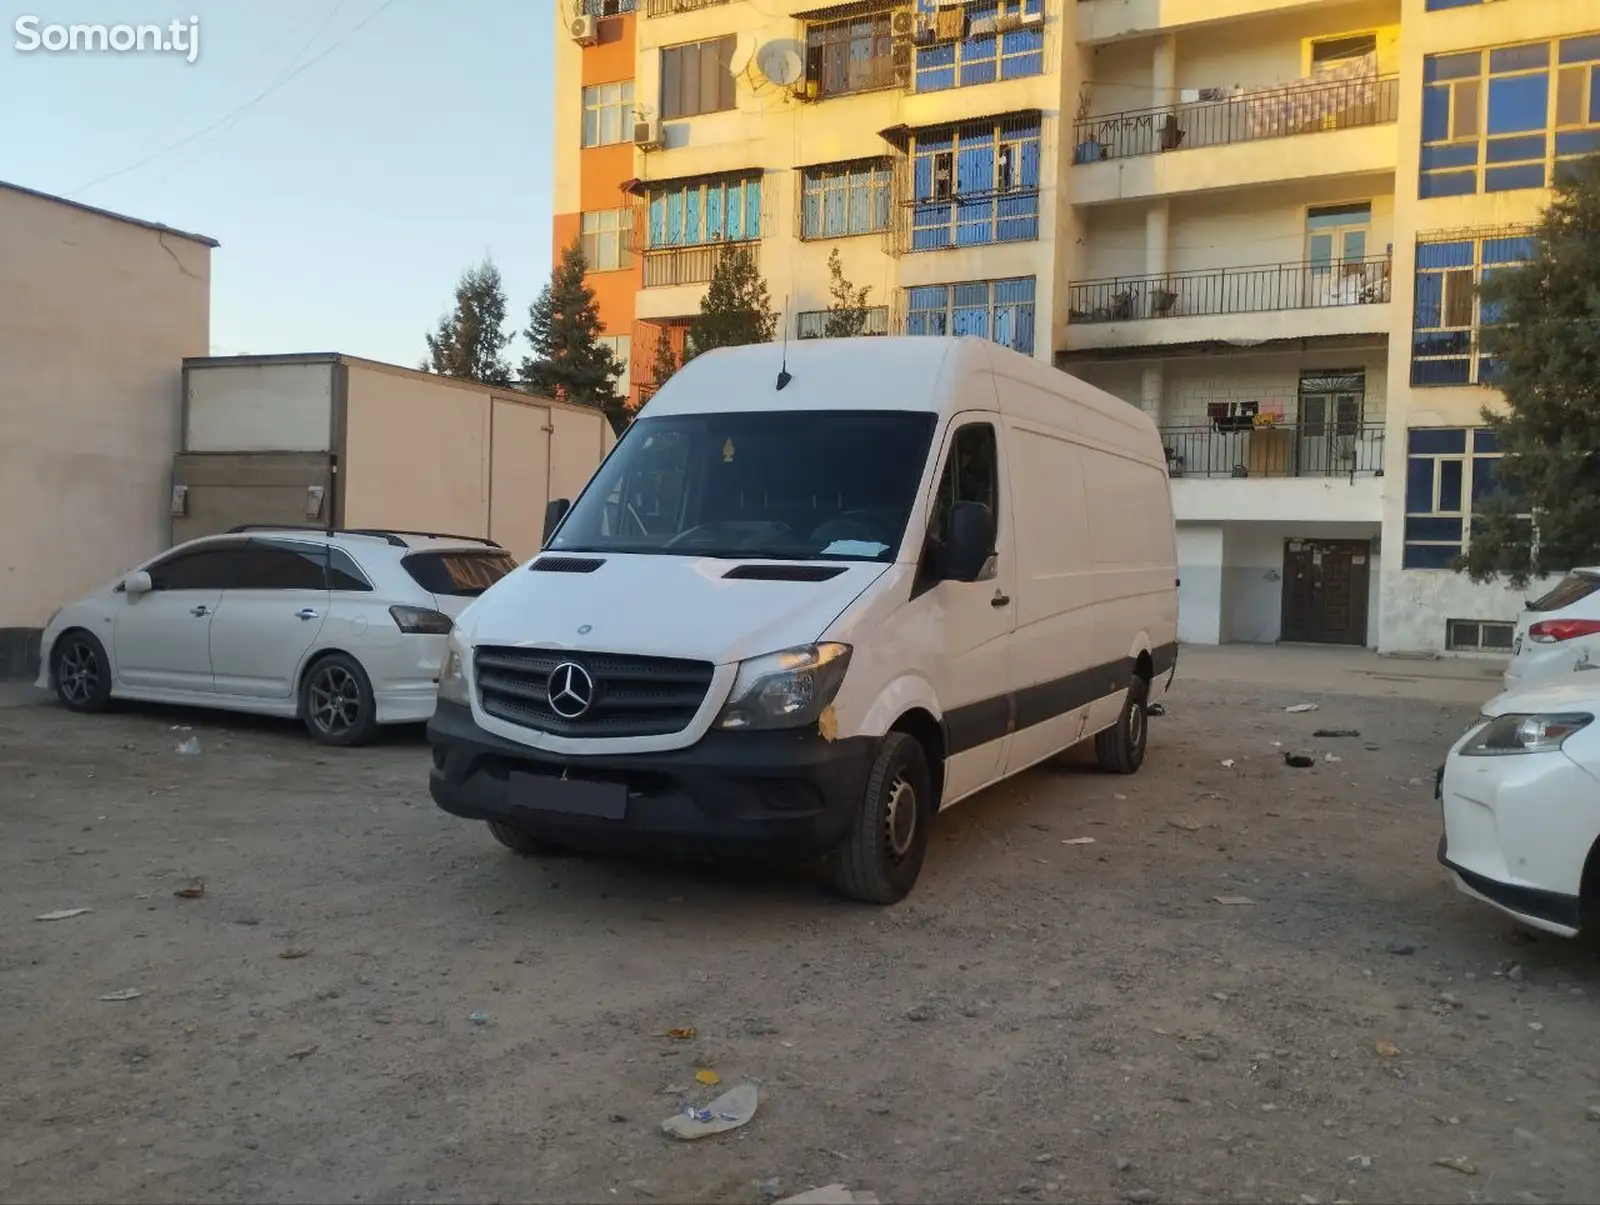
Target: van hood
666,606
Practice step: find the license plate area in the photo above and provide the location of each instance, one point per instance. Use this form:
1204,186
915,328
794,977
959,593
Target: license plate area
567,796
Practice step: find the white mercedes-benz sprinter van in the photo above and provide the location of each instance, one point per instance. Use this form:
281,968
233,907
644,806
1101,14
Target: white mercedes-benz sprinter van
812,597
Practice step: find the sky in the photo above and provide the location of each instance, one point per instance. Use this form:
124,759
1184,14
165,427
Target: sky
348,193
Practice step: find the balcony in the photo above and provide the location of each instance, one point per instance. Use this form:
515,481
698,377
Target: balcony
665,8
1235,471
1111,20
1349,297
665,267
1323,128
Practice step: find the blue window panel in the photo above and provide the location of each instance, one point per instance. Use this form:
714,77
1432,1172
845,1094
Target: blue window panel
716,207
978,60
1021,53
1439,67
1581,50
1018,219
674,219
1517,150
1489,370
733,212
1429,556
1428,308
975,165
1436,441
658,220
1444,255
1484,442
1030,163
1529,57
1438,5
811,208
922,177
1433,527
1011,292
975,223
694,230
1578,142
1510,179
970,320
936,67
1509,250
1451,475
1033,6
1447,184
1429,373
930,227
1435,115
1441,343
1483,483
1419,484
1518,103
1459,155
880,204
752,209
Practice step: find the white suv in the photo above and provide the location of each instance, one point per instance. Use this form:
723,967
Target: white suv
1558,633
344,629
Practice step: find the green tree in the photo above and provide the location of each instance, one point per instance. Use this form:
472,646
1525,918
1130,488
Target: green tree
663,360
1546,339
564,327
735,309
470,342
847,312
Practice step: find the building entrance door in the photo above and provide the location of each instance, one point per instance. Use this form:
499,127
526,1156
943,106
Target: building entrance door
1325,591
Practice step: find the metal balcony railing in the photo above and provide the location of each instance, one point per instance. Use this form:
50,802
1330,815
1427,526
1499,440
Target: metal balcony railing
665,8
1253,290
1301,108
664,266
1243,447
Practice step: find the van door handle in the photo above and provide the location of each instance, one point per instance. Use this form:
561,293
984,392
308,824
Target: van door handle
306,613
201,611
1000,600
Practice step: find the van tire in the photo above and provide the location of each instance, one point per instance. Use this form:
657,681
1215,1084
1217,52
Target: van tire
882,856
521,842
1120,748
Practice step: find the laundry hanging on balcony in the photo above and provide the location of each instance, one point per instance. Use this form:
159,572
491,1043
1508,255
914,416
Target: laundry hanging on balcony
1330,99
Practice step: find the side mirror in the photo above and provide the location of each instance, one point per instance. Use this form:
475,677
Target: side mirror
971,543
136,583
555,511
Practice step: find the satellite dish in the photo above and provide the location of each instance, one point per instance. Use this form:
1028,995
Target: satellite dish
781,63
743,51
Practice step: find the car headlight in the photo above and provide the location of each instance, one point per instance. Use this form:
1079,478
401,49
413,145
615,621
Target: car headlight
453,672
1509,734
789,689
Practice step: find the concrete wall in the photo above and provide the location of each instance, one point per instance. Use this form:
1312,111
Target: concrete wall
96,315
259,408
1200,558
1252,580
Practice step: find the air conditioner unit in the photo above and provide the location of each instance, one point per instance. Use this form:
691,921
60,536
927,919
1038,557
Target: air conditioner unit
903,23
585,30
647,134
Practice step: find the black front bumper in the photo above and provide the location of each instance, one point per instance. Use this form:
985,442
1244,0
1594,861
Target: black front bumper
763,795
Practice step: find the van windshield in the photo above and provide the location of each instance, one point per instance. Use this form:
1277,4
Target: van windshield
775,485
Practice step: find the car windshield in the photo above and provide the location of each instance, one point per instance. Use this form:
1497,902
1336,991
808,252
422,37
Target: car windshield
775,485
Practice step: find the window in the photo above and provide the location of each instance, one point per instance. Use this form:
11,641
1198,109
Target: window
606,8
1448,314
1337,234
813,324
1000,310
607,239
458,574
980,43
1330,54
850,56
1449,471
1502,119
286,565
1479,635
608,113
621,349
845,198
971,474
212,567
344,574
690,212
697,78
975,183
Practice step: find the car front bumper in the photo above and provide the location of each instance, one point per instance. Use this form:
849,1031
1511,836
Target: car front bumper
773,796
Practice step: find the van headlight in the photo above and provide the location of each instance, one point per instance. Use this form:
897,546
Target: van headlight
1510,734
453,672
785,690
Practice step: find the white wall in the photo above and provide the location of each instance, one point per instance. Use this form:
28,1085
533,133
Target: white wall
1200,584
259,408
1252,577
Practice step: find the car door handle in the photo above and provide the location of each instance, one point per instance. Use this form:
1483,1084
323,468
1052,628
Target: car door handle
201,611
306,613
1000,600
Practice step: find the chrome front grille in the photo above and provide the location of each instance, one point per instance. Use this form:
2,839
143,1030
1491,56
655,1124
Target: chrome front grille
628,696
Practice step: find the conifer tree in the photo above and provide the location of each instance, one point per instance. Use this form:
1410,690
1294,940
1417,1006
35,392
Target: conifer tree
470,342
847,312
564,326
735,309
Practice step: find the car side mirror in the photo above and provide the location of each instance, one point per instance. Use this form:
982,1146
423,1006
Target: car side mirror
555,511
971,542
136,583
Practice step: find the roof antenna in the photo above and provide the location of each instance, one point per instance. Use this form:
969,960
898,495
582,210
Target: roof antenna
783,369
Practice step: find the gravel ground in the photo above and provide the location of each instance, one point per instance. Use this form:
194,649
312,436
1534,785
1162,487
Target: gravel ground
372,1001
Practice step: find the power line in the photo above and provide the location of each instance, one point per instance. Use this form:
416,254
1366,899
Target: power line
237,113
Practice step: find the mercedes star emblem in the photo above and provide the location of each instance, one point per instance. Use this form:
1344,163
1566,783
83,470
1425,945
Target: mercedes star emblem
571,690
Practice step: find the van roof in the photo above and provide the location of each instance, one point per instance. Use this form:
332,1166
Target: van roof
869,373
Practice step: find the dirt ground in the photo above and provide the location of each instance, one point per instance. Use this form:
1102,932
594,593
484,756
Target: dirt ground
1042,1021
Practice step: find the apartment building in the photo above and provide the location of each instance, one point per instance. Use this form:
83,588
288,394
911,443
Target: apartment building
1262,221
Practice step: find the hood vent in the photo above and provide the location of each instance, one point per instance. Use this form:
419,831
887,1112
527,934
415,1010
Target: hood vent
784,573
565,564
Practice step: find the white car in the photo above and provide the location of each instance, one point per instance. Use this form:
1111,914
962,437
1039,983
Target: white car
343,629
1558,633
1521,798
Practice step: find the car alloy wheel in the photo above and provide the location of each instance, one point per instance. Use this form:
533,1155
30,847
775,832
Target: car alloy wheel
78,673
335,698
